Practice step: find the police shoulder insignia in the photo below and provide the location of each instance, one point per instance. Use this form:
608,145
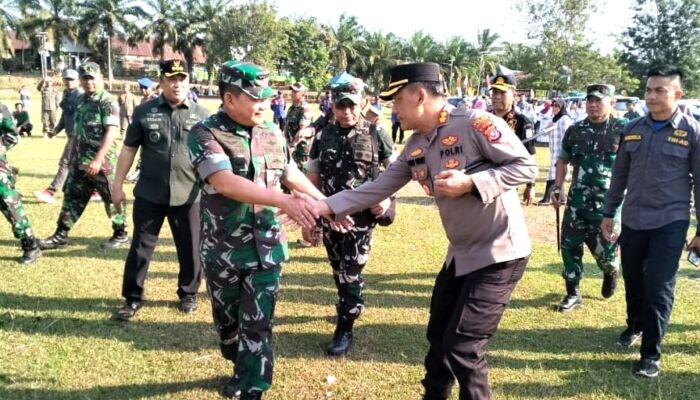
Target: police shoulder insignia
449,140
485,125
418,151
452,163
443,117
680,133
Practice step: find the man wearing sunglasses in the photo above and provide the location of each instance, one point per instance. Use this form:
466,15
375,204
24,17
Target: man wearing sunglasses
345,155
591,147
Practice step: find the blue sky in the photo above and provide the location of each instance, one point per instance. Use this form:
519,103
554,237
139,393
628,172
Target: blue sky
444,19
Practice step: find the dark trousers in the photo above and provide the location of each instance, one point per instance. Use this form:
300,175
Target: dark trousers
649,266
464,314
396,127
184,225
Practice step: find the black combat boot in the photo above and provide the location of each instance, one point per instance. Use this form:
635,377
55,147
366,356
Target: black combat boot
119,238
56,241
609,284
251,396
342,338
572,299
231,389
547,193
31,251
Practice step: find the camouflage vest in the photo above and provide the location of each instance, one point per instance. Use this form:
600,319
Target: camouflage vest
260,158
294,116
347,160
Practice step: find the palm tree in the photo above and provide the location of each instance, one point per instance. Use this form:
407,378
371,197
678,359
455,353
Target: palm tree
345,42
9,20
190,35
54,17
206,12
378,53
488,51
101,20
457,60
420,47
164,25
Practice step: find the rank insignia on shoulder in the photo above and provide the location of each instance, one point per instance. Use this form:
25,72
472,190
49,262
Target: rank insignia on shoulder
449,140
417,152
443,117
680,133
486,126
452,163
633,138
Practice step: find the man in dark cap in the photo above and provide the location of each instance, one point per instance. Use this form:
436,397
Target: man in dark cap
298,118
241,160
503,103
480,212
345,155
96,127
166,188
591,146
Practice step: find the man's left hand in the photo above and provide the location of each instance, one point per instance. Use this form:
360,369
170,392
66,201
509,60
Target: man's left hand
695,244
452,183
94,167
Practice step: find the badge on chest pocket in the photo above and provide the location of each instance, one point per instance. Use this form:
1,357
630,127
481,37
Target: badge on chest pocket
154,136
419,172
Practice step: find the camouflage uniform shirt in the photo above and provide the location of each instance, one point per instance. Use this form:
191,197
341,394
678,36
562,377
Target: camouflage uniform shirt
592,149
298,116
235,234
92,117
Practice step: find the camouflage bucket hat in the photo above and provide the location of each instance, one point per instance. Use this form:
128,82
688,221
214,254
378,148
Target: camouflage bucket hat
89,69
350,90
252,79
600,90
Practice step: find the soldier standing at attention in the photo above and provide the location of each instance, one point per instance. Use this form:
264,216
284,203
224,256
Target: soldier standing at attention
658,166
344,156
503,102
127,102
96,127
10,200
166,188
241,160
479,208
69,104
298,118
49,106
591,146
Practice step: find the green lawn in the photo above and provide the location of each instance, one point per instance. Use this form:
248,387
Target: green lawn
57,340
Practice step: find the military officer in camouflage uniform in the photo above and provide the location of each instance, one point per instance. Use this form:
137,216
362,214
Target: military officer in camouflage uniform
591,146
344,156
298,118
241,160
49,105
93,167
10,199
502,99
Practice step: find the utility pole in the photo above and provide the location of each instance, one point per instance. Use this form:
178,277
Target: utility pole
109,61
43,52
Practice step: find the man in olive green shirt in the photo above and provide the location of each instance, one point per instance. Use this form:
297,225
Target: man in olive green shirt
166,188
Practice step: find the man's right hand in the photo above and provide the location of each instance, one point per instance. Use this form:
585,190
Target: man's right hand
606,228
118,197
300,209
555,197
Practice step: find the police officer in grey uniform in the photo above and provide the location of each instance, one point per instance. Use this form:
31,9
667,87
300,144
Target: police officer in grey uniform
480,211
658,164
166,188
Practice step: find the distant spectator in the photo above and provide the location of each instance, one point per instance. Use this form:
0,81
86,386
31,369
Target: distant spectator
278,109
127,102
22,124
325,105
25,97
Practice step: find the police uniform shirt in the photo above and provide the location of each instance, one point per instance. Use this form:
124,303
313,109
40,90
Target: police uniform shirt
167,176
483,228
655,167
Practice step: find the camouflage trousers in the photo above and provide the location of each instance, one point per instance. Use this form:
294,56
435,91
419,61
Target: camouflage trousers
11,204
243,307
577,229
348,254
77,191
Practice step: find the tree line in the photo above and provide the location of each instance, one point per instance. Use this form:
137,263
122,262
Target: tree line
557,54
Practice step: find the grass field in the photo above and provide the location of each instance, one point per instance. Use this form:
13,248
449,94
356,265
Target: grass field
57,339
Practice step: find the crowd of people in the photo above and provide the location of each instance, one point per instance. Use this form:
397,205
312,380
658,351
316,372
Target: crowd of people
227,182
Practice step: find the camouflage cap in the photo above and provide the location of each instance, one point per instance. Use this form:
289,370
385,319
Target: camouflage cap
90,69
600,90
252,79
350,90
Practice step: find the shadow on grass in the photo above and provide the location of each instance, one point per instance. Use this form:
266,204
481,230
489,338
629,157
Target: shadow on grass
83,247
120,392
416,200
